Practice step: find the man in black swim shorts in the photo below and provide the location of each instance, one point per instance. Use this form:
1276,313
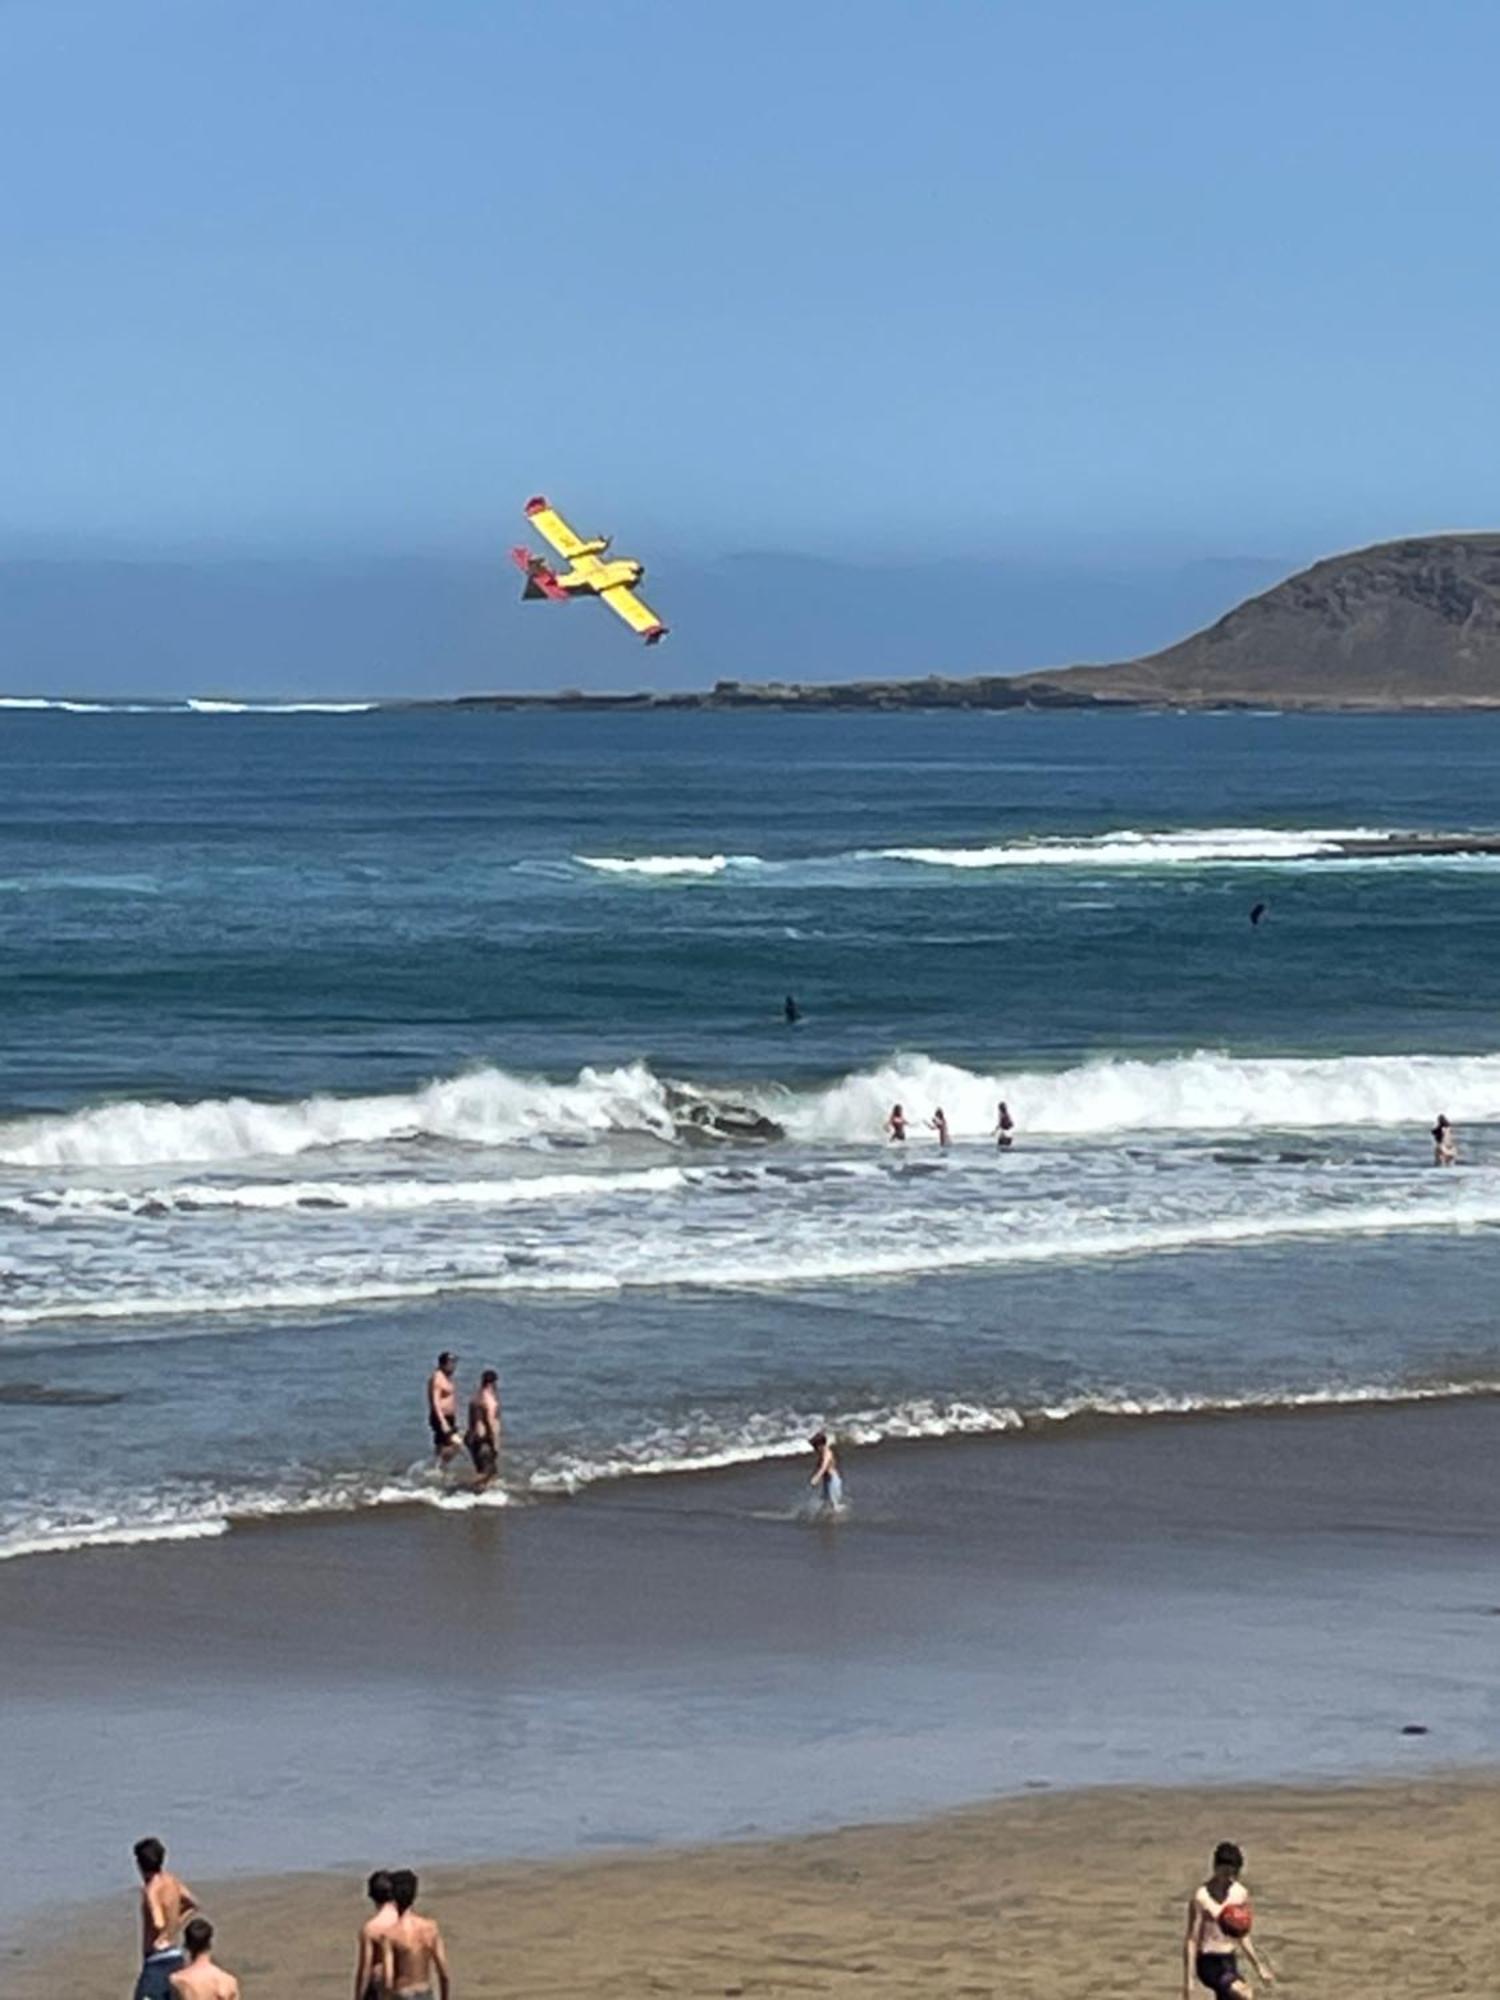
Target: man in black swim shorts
442,1408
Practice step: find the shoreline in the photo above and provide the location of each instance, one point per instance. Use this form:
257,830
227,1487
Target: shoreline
689,1661
983,1901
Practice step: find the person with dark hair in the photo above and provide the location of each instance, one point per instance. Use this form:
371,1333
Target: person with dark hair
483,1434
201,1979
165,1904
1219,1918
895,1125
442,1408
826,1476
1005,1128
382,1894
1444,1144
412,1950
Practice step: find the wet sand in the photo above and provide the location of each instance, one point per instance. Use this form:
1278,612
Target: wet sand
678,1661
1382,1890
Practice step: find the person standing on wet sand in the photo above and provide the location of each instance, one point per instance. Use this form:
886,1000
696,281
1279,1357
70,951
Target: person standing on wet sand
367,1966
442,1408
201,1979
483,1434
1209,1946
165,1904
1444,1144
826,1476
895,1125
412,1950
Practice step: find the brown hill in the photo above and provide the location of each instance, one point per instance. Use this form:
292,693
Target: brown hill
1412,624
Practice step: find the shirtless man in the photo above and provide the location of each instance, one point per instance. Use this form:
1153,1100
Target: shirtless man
442,1408
367,1984
412,1949
483,1434
165,1903
896,1125
938,1123
1208,1950
1005,1127
1444,1145
202,1979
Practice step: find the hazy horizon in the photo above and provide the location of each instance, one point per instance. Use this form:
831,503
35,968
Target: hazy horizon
429,625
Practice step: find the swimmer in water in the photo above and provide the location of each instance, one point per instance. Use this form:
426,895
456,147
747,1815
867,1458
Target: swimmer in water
826,1475
1444,1145
1005,1127
938,1123
791,1010
1258,912
896,1125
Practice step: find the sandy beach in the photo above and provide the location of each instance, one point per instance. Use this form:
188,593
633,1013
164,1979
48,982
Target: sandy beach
1057,1898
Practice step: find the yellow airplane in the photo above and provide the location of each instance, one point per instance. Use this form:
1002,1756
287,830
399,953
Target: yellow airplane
586,575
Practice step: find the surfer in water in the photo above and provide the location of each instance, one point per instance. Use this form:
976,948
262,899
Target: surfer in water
1005,1127
896,1125
791,1010
826,1476
1444,1144
1257,913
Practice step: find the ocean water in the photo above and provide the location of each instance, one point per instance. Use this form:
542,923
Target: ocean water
333,1038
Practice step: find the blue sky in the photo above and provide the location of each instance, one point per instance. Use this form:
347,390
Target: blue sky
1100,276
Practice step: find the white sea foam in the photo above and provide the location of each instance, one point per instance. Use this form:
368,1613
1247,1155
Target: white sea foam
481,1107
661,865
175,1520
1206,1091
205,705
801,1250
1122,847
702,1444
699,1444
36,701
1127,848
377,1197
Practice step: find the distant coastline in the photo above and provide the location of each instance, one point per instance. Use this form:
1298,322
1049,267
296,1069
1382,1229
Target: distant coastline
1405,627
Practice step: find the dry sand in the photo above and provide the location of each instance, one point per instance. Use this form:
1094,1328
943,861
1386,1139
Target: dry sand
1384,1890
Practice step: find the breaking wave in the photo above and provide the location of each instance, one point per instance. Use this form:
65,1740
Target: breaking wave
663,865
696,1445
1126,848
1123,847
194,705
1207,1091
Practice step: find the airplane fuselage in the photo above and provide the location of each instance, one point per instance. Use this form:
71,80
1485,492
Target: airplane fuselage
587,573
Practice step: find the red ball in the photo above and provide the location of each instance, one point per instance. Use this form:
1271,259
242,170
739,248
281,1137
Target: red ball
1235,1919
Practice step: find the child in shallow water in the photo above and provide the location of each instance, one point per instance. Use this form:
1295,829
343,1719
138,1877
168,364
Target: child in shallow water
826,1475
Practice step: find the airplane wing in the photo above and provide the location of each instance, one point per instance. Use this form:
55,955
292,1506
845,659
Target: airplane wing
551,526
638,616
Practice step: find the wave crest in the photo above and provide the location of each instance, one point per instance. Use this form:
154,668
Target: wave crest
1207,1091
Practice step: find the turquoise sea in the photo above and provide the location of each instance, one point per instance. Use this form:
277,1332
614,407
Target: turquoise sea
333,1038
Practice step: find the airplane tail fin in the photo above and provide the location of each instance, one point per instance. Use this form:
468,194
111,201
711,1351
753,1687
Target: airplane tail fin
540,580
